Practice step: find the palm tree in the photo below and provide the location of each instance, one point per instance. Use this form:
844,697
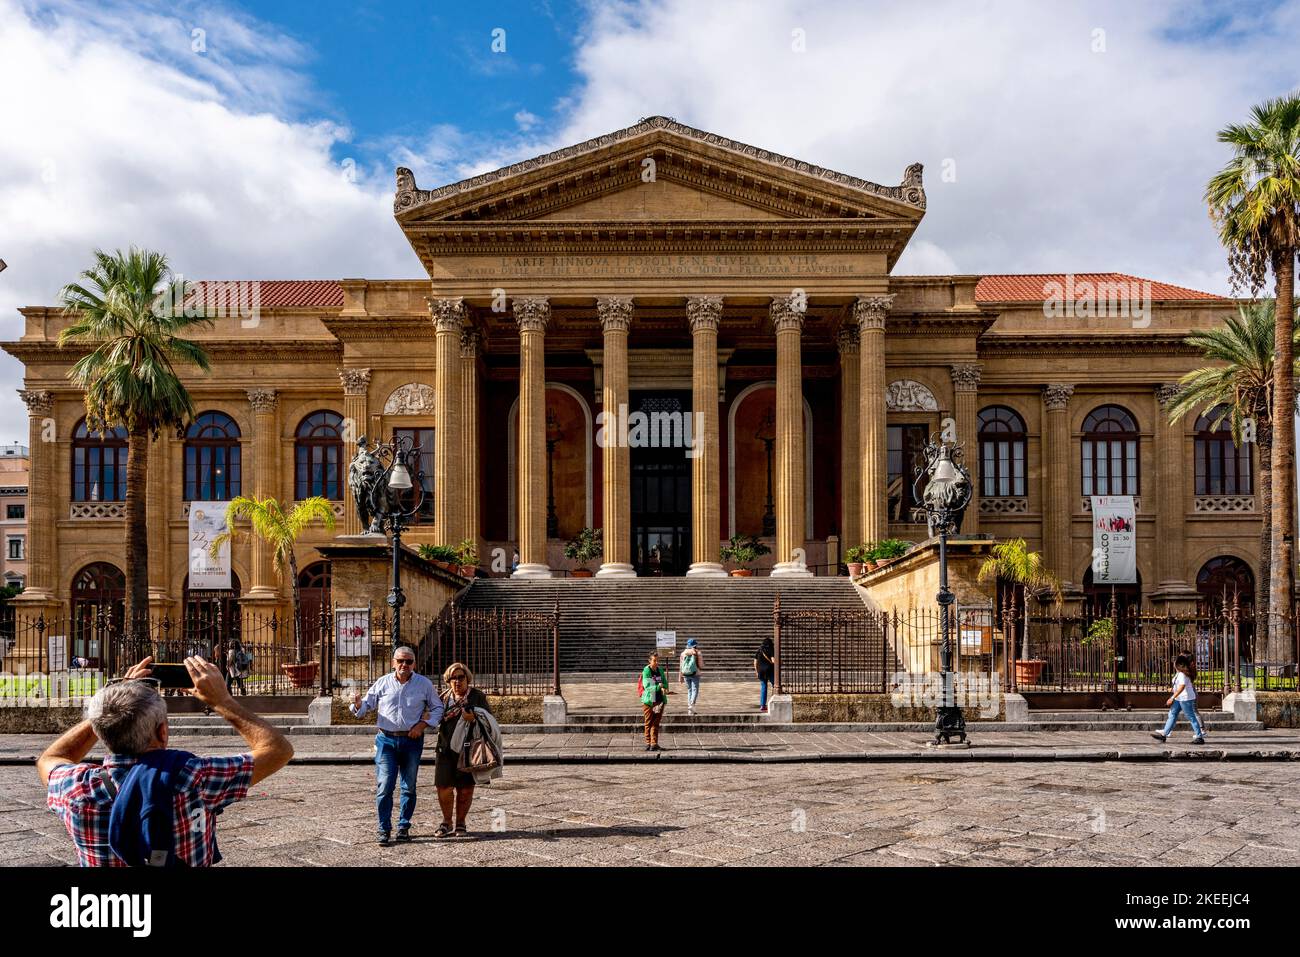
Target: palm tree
129,377
1255,204
1241,388
281,531
1012,561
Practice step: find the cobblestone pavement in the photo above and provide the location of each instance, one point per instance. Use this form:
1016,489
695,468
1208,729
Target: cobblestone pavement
1051,814
776,746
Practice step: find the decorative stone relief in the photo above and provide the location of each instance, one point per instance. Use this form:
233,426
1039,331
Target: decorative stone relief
448,314
1221,504
615,313
98,510
848,339
532,313
966,376
704,312
1166,394
471,343
1004,506
870,311
1057,396
414,398
786,315
38,401
906,395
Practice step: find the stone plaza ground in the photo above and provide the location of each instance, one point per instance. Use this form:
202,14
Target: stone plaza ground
786,807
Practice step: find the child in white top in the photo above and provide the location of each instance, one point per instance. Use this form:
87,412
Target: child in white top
1183,699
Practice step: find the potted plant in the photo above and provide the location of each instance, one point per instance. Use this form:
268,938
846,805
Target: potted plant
889,549
1013,562
444,556
743,549
280,530
857,557
585,547
467,557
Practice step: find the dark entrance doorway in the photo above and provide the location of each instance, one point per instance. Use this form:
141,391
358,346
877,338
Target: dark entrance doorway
661,481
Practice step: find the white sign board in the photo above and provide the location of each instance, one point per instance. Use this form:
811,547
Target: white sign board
207,521
1114,540
666,639
352,632
58,647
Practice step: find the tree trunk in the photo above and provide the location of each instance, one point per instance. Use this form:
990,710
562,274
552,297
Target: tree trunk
137,533
296,601
1282,599
1264,488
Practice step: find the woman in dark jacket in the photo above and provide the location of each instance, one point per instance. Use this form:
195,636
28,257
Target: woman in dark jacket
455,787
764,670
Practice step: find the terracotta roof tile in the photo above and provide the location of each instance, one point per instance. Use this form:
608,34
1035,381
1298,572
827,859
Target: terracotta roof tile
282,293
1035,287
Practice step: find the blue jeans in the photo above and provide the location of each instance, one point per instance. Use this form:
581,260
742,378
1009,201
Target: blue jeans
763,682
1188,708
692,689
394,757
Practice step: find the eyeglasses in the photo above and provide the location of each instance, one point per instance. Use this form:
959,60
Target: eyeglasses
405,661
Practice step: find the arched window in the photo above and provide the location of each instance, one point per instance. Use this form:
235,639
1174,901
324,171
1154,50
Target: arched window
313,597
98,464
1110,452
1002,452
98,596
1222,466
318,456
212,459
1221,578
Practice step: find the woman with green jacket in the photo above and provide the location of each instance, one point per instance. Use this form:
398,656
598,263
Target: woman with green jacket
654,698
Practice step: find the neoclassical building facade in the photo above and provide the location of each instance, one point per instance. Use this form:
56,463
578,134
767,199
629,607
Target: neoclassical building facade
675,338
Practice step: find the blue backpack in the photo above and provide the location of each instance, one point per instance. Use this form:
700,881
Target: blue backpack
141,822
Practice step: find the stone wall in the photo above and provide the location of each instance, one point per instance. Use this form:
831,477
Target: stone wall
39,720
1278,709
822,708
507,709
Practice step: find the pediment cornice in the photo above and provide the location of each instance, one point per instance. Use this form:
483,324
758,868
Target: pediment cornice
738,172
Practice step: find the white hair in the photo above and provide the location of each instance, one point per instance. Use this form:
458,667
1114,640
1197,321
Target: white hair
126,716
400,648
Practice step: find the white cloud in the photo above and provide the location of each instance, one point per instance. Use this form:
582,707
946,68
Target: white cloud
526,120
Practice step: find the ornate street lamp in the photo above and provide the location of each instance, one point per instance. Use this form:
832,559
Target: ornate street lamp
396,494
942,486
766,433
553,436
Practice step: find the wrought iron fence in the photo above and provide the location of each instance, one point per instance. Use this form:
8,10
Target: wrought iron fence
510,653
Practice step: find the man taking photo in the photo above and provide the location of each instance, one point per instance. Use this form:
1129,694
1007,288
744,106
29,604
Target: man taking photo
148,804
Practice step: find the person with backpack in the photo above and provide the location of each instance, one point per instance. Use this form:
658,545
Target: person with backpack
1182,699
764,670
147,804
653,689
239,662
689,669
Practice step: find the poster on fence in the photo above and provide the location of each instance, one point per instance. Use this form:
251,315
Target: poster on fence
352,632
58,649
1114,540
207,521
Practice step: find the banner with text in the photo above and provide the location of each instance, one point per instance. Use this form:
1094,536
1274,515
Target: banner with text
207,521
1114,540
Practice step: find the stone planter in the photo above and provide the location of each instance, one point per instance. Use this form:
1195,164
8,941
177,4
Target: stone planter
467,571
302,676
581,573
1029,671
741,573
855,569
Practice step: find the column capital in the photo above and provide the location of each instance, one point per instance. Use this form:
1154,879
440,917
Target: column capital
848,338
615,313
448,313
262,400
704,313
355,381
1167,393
471,342
870,311
532,313
966,376
1057,396
38,401
787,313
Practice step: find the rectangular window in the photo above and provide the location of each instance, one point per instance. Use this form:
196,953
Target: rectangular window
424,439
15,511
15,549
906,443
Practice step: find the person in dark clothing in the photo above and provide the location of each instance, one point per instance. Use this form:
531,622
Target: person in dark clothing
764,670
455,787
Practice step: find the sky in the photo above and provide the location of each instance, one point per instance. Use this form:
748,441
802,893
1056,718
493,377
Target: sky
258,140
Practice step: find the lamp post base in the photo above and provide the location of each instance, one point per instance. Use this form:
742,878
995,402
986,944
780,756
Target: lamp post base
950,723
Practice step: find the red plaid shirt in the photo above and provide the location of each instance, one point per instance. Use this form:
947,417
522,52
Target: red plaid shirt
204,787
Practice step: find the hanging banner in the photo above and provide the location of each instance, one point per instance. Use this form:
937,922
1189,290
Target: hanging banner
1114,540
207,521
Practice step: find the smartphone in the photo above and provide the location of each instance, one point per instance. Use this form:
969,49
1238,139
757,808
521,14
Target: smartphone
172,676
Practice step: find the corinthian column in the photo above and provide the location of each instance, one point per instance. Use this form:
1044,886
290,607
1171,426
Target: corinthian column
850,440
42,501
1172,587
870,312
788,322
356,386
157,504
615,314
965,387
448,480
266,443
704,313
1057,505
470,345
532,316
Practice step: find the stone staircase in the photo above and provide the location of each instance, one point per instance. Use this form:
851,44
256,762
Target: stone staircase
608,625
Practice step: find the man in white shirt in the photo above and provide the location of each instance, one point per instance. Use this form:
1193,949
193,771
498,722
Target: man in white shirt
407,703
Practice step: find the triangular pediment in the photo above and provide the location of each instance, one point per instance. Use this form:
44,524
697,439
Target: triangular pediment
659,170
